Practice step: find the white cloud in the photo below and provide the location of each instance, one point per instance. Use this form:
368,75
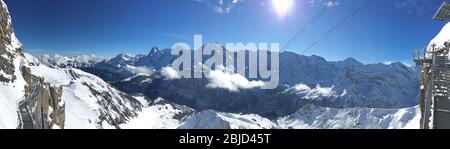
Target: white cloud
140,70
221,6
314,93
230,81
169,73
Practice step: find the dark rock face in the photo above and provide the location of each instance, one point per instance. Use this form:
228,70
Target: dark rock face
6,58
38,94
46,107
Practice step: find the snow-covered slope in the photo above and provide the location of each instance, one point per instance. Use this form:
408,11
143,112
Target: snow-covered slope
210,119
70,98
89,101
12,83
441,38
159,114
311,116
12,89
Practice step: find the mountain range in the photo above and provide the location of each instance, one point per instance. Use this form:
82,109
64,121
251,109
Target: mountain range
142,91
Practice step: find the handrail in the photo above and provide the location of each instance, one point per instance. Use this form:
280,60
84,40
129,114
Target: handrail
25,101
429,94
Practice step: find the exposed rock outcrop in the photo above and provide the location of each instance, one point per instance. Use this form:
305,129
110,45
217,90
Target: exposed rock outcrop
42,99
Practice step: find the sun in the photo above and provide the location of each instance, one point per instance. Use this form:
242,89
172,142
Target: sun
282,7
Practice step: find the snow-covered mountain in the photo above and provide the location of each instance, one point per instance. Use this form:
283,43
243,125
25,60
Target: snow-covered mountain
56,60
339,87
33,95
307,117
373,85
350,84
313,117
138,91
377,93
89,101
159,114
210,119
12,77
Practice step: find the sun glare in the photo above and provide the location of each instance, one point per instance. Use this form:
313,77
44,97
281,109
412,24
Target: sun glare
282,7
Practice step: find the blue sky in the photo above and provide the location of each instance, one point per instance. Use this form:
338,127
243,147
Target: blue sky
385,30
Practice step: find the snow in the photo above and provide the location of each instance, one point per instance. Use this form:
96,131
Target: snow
155,117
31,59
79,114
247,121
142,100
124,58
11,93
15,43
61,60
55,76
387,63
352,118
8,107
127,56
311,117
82,108
216,120
442,37
82,105
56,127
158,100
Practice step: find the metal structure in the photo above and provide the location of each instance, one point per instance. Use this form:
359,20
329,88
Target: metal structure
26,120
435,80
443,13
435,85
31,113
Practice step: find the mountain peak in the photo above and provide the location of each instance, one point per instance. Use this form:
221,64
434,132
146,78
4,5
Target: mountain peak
154,51
126,55
123,58
318,58
351,60
8,36
10,46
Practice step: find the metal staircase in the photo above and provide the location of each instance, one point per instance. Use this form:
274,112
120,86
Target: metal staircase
436,109
441,101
